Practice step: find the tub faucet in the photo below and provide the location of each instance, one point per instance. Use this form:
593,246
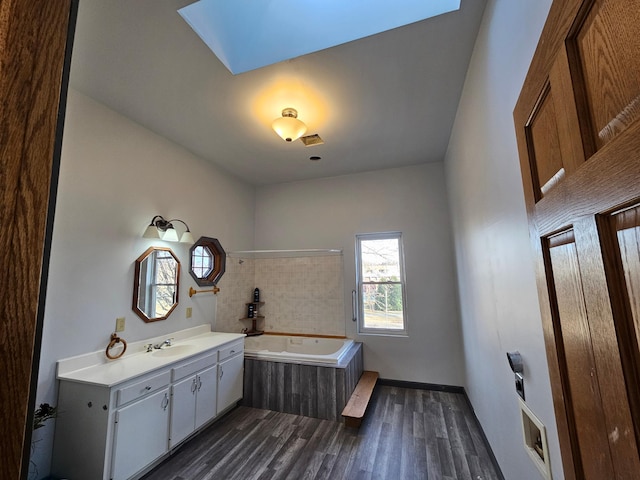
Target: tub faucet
167,342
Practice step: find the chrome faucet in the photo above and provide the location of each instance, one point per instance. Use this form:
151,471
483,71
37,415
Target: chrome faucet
167,342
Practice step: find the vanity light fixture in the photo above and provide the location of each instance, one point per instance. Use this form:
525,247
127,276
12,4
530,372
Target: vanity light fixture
163,229
288,126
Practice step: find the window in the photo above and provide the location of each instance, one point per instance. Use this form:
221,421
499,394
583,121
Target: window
381,284
163,284
201,261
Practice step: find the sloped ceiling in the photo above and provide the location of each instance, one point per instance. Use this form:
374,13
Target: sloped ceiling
384,101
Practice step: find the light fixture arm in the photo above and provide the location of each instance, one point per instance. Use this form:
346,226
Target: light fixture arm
169,225
160,223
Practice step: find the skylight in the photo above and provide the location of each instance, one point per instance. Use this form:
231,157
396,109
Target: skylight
249,34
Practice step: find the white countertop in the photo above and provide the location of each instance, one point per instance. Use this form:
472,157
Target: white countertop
94,368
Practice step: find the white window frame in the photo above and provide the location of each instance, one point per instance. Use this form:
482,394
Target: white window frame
362,330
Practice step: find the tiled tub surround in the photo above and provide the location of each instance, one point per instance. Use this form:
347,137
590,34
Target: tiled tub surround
302,294
236,289
312,390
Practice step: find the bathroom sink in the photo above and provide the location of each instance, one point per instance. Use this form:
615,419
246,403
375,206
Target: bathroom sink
175,350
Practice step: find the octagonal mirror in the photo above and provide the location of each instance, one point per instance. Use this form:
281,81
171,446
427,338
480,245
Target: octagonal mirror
156,284
208,260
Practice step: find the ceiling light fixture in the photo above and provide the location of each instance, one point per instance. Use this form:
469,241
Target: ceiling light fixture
163,229
288,126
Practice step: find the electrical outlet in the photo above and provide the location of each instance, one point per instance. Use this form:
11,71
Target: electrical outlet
189,312
120,324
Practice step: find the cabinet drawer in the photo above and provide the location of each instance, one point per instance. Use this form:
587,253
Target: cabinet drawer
142,387
193,366
231,350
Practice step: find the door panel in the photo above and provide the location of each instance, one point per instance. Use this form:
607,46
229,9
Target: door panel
607,351
554,117
606,46
575,336
544,144
627,225
621,232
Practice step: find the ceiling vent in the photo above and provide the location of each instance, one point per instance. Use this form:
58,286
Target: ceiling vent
310,140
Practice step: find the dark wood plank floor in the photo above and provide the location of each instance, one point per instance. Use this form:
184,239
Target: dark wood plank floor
406,434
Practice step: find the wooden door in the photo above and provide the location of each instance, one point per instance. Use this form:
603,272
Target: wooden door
578,128
33,44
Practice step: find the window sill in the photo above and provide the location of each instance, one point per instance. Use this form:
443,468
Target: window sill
383,334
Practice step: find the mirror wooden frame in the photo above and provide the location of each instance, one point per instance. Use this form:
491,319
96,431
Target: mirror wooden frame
136,285
219,261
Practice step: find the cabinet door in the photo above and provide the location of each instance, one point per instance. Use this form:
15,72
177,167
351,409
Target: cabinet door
183,408
230,376
141,433
206,396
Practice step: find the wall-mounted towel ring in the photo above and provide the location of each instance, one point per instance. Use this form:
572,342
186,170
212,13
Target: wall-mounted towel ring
115,339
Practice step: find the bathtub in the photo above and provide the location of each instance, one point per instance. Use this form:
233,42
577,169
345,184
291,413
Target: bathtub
306,376
281,348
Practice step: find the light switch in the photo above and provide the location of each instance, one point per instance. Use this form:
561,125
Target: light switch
120,324
189,311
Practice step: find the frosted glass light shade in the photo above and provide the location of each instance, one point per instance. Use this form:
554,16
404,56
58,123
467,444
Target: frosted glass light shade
151,232
186,237
170,235
288,126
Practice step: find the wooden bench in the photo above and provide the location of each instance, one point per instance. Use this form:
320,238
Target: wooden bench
357,404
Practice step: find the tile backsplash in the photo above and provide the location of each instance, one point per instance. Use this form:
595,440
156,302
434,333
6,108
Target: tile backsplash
302,294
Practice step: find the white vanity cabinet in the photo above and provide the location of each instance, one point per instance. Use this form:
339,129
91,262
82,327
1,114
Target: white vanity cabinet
117,419
193,397
230,375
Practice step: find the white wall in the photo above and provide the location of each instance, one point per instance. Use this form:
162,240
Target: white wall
328,213
115,176
499,303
